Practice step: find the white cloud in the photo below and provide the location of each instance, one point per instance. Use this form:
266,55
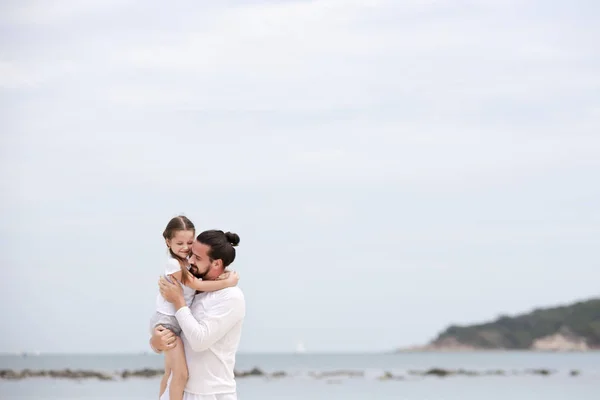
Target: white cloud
15,75
11,77
431,124
322,56
40,12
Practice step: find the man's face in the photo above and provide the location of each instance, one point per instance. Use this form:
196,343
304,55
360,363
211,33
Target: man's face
207,269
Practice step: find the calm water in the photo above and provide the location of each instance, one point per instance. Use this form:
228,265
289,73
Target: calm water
299,385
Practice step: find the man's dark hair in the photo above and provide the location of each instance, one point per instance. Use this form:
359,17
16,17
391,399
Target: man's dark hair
222,245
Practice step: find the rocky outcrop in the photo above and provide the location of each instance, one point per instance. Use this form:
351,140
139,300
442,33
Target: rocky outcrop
337,374
142,373
563,340
64,374
574,327
449,344
329,376
253,372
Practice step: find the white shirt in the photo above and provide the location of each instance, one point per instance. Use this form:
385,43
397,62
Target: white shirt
212,328
162,306
191,396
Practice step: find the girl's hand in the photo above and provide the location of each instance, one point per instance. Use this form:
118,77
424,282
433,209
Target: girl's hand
232,279
224,275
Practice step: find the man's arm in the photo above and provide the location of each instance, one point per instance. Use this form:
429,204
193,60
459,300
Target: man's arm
227,310
162,339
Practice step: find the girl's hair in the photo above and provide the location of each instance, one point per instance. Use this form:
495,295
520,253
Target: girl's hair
179,223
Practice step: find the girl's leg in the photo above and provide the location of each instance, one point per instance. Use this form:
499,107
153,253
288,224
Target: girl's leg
164,379
176,361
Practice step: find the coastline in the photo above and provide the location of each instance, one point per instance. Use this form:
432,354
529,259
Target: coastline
426,349
560,342
146,373
411,363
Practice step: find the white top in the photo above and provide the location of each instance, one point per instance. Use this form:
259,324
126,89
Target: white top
212,328
163,306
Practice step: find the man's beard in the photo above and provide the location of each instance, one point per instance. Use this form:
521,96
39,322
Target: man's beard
194,271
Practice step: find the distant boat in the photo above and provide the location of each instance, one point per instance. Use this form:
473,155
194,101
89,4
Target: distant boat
34,353
300,348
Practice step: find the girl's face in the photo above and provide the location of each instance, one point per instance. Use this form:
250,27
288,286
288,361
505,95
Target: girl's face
181,243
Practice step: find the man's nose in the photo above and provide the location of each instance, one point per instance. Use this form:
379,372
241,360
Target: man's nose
192,262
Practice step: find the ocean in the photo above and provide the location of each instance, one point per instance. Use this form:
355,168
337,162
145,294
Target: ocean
332,376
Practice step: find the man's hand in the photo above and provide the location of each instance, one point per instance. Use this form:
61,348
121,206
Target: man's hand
163,339
172,292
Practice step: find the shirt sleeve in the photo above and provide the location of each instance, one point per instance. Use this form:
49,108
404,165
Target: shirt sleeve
172,266
221,315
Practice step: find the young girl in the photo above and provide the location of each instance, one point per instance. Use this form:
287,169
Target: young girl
179,236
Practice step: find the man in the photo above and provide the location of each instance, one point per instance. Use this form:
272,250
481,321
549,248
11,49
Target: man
212,326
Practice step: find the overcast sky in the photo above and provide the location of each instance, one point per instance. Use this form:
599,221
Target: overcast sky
390,166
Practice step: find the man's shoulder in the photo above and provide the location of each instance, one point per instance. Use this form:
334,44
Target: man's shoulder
230,298
233,292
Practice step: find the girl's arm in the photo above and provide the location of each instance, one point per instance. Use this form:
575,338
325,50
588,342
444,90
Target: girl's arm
231,279
212,286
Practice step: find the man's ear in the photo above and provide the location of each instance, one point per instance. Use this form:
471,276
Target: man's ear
218,263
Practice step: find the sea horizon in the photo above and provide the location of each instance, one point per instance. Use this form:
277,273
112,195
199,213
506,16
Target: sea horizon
333,352
494,375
